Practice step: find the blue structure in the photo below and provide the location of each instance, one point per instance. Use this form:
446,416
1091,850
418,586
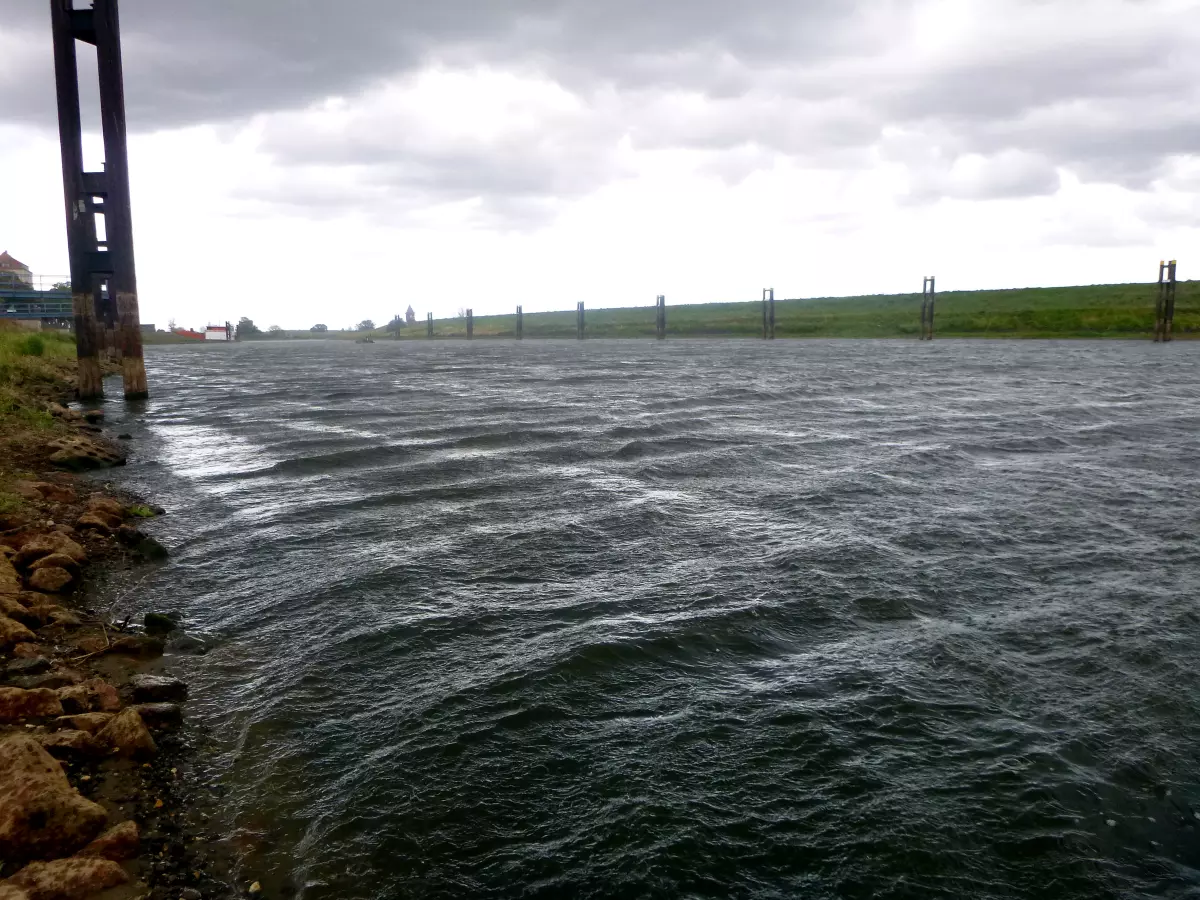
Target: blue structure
22,301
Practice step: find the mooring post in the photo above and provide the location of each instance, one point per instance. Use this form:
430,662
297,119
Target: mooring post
1164,304
660,317
928,297
520,322
1169,304
103,278
579,320
769,314
429,325
470,324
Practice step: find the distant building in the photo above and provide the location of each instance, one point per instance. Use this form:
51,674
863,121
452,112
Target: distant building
147,327
410,317
14,272
218,333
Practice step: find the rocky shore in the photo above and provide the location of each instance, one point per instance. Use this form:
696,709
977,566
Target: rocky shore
97,767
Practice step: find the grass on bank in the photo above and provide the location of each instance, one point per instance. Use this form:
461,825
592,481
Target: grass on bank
1093,311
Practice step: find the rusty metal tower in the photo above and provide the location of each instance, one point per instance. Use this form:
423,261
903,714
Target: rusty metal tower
103,283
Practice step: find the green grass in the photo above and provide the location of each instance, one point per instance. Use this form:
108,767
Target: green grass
1098,311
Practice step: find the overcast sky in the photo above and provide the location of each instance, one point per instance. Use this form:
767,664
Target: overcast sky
303,161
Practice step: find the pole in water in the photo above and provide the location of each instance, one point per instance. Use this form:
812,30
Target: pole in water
660,317
579,319
928,296
429,325
470,324
769,314
520,322
1169,304
103,277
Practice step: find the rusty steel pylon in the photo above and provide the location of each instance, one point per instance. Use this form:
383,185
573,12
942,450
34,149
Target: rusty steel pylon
103,283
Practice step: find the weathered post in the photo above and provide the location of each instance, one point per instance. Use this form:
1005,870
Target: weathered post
1164,304
429,325
769,314
579,320
470,324
103,280
928,297
660,318
520,322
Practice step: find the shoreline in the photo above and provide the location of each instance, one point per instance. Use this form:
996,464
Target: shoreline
99,767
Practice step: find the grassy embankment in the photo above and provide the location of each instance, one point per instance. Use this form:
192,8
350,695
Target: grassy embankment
1099,311
35,370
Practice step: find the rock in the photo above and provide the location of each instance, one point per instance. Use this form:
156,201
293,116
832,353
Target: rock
13,632
158,689
27,489
18,612
157,623
142,544
65,618
45,544
70,744
119,843
93,415
11,892
97,521
144,645
34,665
45,610
41,816
52,579
90,643
10,581
185,894
89,722
161,716
187,643
126,734
79,453
26,650
68,879
104,696
55,560
125,436
107,505
75,699
55,679
19,703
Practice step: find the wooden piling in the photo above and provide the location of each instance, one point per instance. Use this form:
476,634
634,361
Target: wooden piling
520,322
579,320
1164,304
928,298
1169,316
769,314
470,324
660,318
429,325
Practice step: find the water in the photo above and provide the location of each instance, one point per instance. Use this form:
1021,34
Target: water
693,619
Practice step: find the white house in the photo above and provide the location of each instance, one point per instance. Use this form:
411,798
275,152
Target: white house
217,333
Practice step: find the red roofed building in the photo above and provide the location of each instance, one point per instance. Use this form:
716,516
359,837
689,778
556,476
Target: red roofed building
13,271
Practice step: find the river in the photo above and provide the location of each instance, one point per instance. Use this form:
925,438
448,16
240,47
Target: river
689,619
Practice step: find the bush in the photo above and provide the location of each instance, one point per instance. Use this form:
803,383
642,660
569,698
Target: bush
33,345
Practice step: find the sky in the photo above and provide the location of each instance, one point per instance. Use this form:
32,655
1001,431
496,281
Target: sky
305,161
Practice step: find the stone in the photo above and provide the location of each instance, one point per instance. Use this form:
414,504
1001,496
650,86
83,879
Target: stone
45,544
158,689
104,696
26,650
10,581
185,894
157,623
93,415
65,618
119,843
13,632
89,722
78,453
18,612
126,735
51,579
11,892
70,744
125,436
96,521
107,505
46,609
42,815
142,544
59,560
19,703
90,643
54,679
34,665
75,699
160,716
143,645
69,879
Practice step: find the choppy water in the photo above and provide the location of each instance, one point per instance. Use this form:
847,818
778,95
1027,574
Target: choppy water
694,619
